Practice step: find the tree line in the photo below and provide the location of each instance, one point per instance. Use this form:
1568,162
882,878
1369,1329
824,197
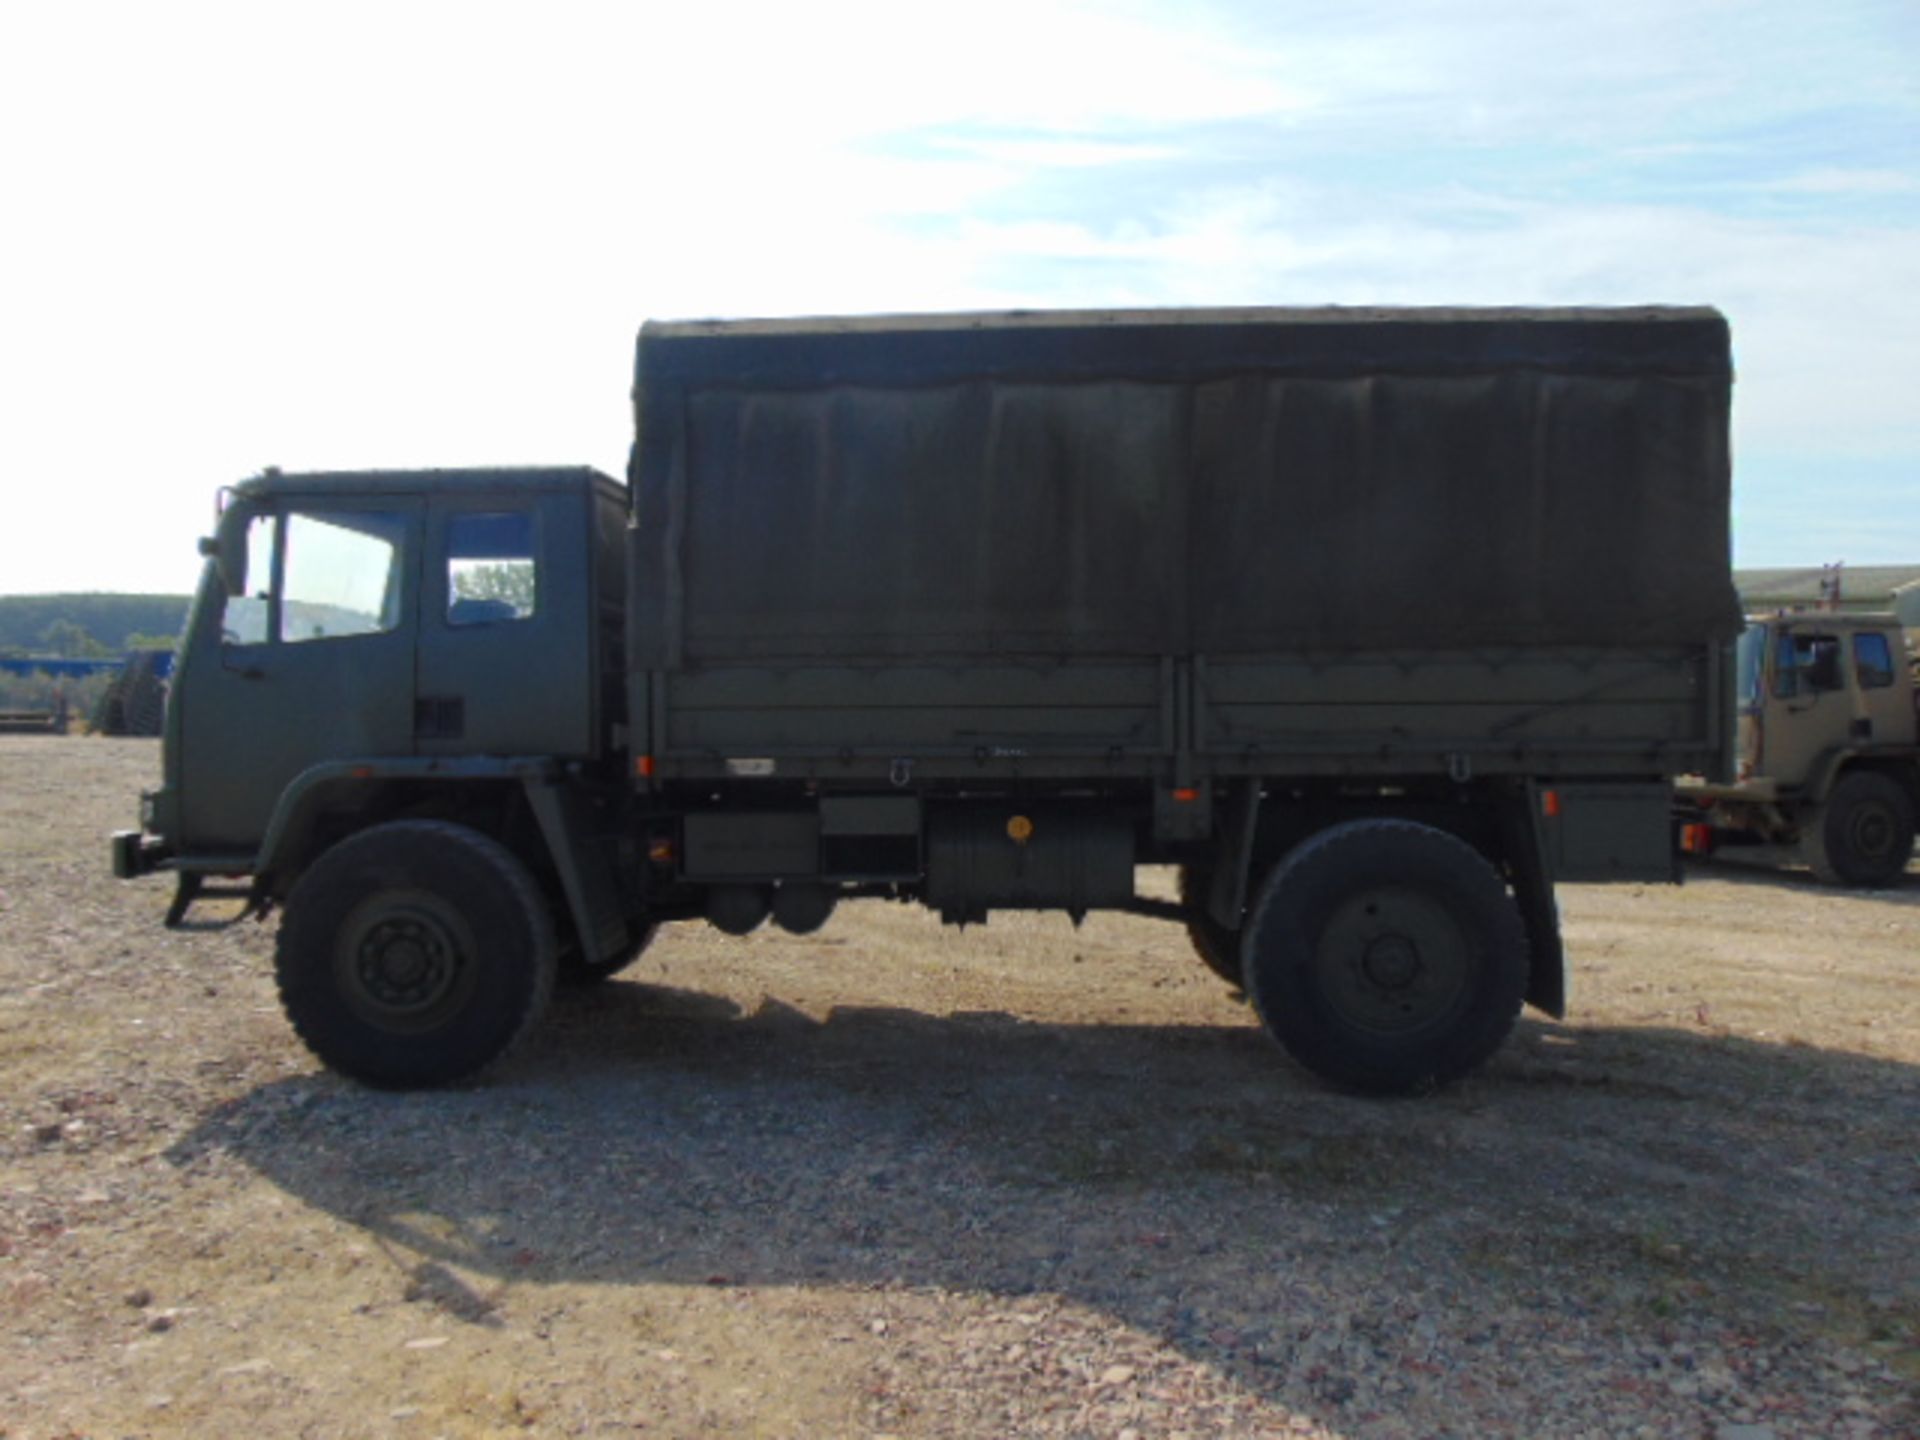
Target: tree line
89,626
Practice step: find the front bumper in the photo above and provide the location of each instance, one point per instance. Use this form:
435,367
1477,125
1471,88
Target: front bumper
136,853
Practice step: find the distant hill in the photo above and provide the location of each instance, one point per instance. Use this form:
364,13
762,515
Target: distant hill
107,619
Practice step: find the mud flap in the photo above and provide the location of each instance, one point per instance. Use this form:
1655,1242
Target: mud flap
1227,895
1533,892
593,897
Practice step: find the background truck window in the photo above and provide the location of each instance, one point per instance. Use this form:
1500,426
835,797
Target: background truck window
341,575
491,574
1749,660
1873,661
1808,665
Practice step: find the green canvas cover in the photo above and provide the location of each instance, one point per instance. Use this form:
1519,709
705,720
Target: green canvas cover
1212,482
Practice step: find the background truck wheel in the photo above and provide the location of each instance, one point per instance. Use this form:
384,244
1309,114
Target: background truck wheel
1863,835
1216,945
1386,956
576,973
414,953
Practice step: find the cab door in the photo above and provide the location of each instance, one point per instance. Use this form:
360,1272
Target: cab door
1884,709
1808,710
506,625
314,662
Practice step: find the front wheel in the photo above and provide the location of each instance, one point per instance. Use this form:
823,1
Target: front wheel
414,953
1863,835
1386,956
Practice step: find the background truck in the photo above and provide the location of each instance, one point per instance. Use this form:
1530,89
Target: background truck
1376,623
1827,750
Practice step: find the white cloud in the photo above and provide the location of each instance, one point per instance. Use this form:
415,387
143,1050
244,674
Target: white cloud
1056,154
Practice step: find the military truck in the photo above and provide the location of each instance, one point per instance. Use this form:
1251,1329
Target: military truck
1375,623
1827,753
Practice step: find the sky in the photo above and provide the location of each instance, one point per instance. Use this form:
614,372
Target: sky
331,236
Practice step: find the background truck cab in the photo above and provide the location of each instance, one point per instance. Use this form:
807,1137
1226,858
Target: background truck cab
1827,750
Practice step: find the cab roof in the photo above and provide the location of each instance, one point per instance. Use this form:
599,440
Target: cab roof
465,481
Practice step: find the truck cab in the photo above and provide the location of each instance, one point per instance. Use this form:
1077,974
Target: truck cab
1827,749
406,623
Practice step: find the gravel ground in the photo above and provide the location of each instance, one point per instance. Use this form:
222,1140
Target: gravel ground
895,1180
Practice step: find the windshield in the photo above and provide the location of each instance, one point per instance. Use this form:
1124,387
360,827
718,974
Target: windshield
1746,664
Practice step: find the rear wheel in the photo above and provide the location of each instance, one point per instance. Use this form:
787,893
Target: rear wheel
1386,956
1863,835
1216,945
414,953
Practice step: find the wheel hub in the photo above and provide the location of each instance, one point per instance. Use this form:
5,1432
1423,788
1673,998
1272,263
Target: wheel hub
1873,831
404,964
1393,960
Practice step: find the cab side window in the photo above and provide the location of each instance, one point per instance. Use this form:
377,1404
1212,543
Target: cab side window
492,575
246,615
341,574
1873,661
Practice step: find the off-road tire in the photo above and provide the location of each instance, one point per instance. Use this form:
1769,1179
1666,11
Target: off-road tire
110,710
414,954
576,973
143,703
1863,835
1386,956
1216,945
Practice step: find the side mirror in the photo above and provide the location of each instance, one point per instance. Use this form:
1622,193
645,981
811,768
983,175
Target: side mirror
228,552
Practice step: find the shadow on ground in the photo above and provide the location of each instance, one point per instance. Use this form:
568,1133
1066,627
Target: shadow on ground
1185,1180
